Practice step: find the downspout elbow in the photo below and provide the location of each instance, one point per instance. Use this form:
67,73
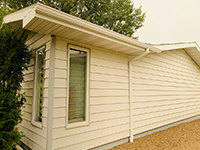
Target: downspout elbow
140,56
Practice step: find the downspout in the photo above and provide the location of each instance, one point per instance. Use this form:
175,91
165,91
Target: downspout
130,91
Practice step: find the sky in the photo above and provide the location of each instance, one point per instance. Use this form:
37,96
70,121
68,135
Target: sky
169,21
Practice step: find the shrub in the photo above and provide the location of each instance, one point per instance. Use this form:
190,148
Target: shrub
14,59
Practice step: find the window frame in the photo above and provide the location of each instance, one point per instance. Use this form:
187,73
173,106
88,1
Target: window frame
87,103
33,121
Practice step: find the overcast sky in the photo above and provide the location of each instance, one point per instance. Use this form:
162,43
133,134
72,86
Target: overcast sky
170,21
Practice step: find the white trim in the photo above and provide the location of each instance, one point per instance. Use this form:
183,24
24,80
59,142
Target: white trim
191,48
30,16
51,94
174,46
35,123
60,18
57,16
130,100
86,122
18,15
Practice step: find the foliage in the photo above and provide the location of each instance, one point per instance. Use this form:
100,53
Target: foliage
116,15
14,59
123,17
4,10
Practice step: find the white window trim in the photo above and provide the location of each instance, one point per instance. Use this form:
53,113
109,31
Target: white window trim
35,123
86,122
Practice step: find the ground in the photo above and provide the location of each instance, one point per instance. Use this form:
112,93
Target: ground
185,136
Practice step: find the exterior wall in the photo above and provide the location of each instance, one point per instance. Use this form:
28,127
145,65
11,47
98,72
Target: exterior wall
109,104
111,145
166,89
35,137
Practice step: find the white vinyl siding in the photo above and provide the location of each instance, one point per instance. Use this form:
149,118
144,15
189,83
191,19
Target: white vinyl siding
109,112
166,89
35,137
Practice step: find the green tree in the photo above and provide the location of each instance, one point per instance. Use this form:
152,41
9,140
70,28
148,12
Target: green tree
93,11
4,10
117,15
14,59
123,18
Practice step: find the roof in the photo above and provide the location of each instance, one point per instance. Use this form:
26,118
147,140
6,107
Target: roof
46,20
191,48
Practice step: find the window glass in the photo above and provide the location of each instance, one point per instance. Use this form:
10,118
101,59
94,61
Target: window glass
77,86
40,58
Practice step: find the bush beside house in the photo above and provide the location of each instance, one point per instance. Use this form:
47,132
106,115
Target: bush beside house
14,59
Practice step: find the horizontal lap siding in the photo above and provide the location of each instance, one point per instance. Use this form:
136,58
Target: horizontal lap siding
60,85
165,89
109,103
35,137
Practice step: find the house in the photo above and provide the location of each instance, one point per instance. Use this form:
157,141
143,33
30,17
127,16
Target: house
91,88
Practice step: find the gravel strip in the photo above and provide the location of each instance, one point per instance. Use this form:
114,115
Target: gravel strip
185,136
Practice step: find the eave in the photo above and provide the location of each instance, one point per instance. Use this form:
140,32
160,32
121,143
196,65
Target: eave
191,48
46,20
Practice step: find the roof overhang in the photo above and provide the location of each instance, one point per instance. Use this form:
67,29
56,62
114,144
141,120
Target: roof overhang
46,20
191,48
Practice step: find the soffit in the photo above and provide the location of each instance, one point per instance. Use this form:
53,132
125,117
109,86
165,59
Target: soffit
46,20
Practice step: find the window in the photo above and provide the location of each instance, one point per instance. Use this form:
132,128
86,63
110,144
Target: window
78,86
38,86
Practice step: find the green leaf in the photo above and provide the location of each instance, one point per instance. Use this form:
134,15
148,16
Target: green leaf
14,58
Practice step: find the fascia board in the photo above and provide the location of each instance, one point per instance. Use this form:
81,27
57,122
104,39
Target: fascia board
80,24
76,27
197,47
176,46
29,14
28,18
192,49
18,15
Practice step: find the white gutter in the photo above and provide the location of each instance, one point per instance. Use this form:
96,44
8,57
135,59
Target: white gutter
130,91
31,14
53,15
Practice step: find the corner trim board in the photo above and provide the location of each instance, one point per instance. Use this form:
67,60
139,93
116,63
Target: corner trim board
51,94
